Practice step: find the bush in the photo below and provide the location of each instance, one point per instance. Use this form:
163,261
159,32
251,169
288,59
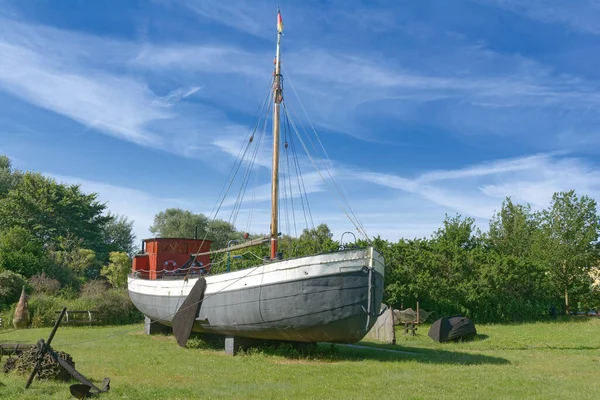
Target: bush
20,252
42,309
94,289
115,308
11,285
44,284
118,268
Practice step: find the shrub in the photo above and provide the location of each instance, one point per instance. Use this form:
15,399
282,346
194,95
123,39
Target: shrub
118,268
42,309
11,285
115,307
94,289
42,283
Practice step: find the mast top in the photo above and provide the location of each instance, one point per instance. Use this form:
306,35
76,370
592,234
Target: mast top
279,22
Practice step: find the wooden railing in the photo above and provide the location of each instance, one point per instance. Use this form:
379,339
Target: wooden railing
70,313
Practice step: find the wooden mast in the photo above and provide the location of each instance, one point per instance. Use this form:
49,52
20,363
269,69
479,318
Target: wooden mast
277,97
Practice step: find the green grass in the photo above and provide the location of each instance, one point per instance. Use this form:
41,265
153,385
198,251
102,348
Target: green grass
559,360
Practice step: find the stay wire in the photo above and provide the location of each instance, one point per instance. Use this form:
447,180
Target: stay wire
356,225
287,158
247,173
340,190
300,180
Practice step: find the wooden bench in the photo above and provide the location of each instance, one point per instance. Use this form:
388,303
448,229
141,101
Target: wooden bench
70,313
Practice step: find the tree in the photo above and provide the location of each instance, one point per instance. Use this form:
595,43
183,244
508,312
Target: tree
11,285
118,268
74,264
118,234
316,240
20,253
568,246
512,229
9,178
221,232
178,223
50,211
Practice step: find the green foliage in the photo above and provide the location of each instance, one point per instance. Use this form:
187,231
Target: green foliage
513,229
113,305
42,309
570,229
118,268
178,223
11,285
74,264
9,178
20,252
315,240
118,234
42,283
220,232
115,308
50,211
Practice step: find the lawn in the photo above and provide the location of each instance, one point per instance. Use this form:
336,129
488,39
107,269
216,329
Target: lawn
553,360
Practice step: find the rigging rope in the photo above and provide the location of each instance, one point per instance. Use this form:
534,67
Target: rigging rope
342,193
355,223
300,179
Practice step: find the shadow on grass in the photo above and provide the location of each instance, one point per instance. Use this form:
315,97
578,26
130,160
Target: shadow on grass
328,352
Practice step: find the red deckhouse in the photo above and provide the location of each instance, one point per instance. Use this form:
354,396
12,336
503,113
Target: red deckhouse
166,256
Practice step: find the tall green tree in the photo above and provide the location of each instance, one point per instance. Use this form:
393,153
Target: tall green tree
49,211
178,223
9,178
118,234
568,246
512,229
74,264
316,240
20,253
221,232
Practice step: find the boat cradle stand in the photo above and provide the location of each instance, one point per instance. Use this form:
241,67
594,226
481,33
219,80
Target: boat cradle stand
234,344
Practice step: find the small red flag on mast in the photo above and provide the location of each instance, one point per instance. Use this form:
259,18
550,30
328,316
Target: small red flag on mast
279,22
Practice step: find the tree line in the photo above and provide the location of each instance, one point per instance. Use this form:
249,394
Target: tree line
56,239
526,266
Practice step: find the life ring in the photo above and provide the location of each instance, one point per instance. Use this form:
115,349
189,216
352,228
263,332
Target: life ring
170,263
198,267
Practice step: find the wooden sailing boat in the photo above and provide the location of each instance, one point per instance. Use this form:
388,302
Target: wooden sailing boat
331,297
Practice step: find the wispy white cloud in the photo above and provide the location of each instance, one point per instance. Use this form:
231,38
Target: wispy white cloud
237,14
478,190
581,16
175,96
115,105
55,70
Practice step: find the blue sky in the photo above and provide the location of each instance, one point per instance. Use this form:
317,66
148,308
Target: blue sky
425,108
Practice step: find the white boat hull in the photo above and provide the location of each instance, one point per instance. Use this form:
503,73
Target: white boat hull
331,297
